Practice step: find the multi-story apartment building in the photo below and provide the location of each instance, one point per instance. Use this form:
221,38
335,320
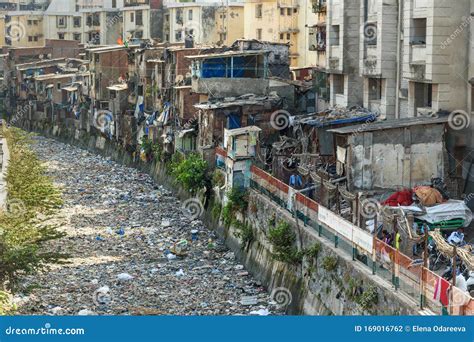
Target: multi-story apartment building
23,5
378,65
22,28
208,22
98,21
136,19
274,21
343,27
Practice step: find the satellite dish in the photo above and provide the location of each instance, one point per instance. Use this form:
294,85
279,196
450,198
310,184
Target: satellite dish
82,68
188,75
179,78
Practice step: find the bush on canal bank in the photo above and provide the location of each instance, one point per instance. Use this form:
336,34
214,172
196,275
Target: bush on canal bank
25,224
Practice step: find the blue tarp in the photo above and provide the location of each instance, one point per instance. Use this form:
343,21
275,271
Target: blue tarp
221,67
320,123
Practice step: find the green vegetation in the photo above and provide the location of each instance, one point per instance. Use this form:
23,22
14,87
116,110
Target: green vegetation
283,240
367,298
329,263
313,251
237,201
244,232
218,179
216,210
24,228
190,173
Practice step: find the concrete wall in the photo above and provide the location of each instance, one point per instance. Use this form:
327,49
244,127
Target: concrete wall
415,156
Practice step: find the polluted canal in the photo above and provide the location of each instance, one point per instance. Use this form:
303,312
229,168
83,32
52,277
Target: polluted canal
121,228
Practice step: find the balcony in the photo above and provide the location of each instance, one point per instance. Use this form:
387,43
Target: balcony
418,54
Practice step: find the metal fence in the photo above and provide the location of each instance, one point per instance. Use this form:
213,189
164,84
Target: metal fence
405,274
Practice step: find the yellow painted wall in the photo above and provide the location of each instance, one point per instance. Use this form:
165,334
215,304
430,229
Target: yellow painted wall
278,23
23,30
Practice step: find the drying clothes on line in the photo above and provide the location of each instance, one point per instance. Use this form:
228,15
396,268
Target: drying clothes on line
428,196
403,198
441,291
139,107
296,181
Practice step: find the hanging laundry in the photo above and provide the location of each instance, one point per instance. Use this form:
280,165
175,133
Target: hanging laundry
296,181
139,106
441,291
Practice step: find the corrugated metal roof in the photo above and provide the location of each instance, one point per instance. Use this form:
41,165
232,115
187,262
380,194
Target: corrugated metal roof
391,124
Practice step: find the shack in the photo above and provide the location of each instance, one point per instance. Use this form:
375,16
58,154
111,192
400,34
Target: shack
391,154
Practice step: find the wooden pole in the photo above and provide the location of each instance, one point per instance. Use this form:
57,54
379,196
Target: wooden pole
423,269
454,274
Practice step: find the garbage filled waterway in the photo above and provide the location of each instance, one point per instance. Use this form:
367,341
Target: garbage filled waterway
120,230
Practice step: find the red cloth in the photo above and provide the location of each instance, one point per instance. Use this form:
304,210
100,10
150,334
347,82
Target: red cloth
441,291
403,198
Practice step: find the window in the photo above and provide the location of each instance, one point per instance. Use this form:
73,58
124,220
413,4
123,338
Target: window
282,36
338,81
282,11
35,38
139,17
288,11
35,22
295,10
288,36
77,21
114,3
222,37
190,14
375,89
132,17
334,35
418,32
30,38
258,11
77,36
167,18
259,34
58,86
178,36
139,34
30,22
61,22
61,35
179,16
